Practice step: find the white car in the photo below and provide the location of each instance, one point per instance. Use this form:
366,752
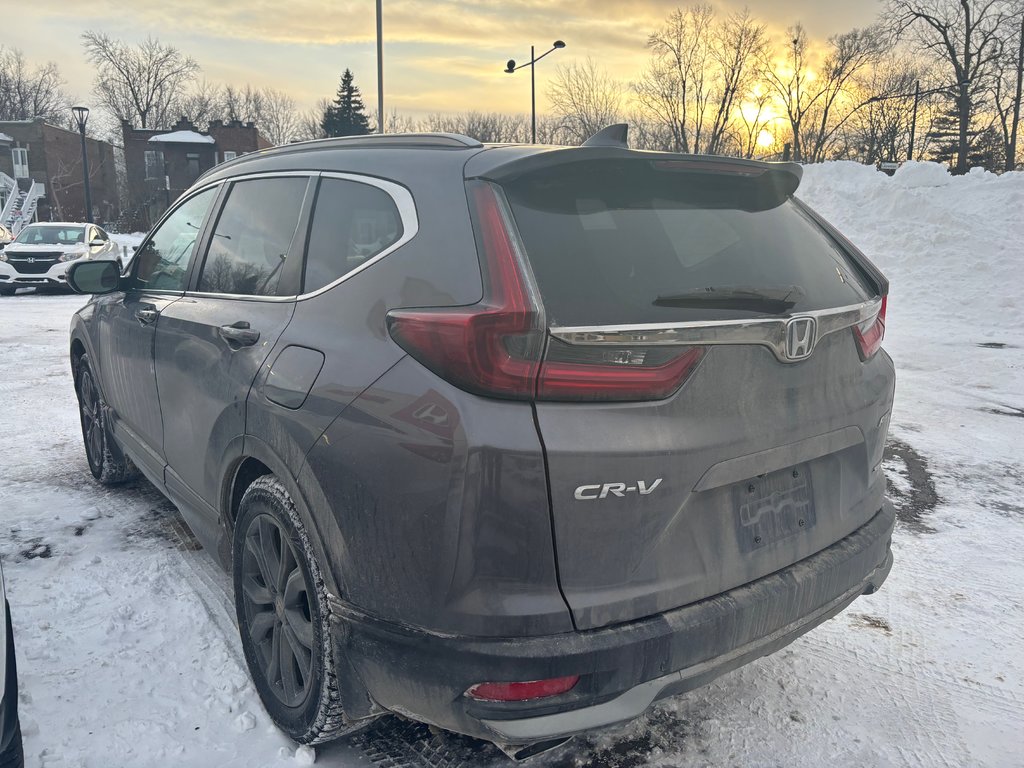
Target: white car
41,254
11,755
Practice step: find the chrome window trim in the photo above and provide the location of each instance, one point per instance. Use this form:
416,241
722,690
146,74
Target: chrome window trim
406,206
764,331
401,197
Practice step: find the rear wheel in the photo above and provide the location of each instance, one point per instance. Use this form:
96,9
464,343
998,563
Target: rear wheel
284,617
102,463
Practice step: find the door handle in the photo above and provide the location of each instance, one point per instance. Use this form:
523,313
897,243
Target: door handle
239,334
147,314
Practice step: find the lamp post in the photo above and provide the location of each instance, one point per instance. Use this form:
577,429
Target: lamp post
511,67
82,117
380,71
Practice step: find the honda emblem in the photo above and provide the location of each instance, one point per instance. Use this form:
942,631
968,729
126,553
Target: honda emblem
801,333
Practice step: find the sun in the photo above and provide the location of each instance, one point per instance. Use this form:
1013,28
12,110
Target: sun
765,139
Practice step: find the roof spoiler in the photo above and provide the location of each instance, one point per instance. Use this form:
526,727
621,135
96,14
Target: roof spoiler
616,135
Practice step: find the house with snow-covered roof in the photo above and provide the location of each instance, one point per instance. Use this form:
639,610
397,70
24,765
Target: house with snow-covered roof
161,164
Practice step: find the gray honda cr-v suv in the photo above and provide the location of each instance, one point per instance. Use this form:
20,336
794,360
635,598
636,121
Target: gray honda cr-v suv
514,440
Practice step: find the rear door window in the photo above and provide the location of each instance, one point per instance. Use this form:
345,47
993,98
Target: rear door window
253,237
624,242
352,223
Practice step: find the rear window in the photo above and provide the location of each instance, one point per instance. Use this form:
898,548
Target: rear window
614,242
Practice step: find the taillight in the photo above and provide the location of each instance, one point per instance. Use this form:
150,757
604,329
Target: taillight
614,373
534,689
493,347
870,333
496,347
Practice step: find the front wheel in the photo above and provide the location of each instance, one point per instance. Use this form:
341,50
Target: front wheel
8,290
284,617
102,462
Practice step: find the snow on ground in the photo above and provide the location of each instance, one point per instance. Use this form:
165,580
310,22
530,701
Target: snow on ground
129,656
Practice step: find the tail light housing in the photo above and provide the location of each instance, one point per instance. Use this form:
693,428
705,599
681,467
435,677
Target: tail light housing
870,333
498,347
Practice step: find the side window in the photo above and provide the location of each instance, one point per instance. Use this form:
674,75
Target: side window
163,263
352,223
253,237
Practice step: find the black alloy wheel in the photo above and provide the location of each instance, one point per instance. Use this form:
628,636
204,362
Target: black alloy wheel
92,422
276,606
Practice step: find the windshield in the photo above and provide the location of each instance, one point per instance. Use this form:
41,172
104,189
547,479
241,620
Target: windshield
39,234
623,242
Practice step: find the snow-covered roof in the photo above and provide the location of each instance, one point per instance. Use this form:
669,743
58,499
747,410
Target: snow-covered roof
5,137
184,137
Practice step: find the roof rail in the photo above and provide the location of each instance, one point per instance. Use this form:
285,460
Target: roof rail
453,140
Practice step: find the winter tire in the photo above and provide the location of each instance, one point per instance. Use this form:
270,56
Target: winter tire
7,290
284,617
102,463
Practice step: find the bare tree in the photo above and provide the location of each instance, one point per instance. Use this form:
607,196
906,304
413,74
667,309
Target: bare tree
881,130
818,105
754,119
585,99
1008,84
138,83
963,34
837,99
310,124
27,94
279,120
701,67
199,105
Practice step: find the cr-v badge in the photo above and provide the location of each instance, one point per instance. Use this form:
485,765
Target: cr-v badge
591,492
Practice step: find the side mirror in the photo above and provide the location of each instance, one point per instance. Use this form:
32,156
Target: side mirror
97,243
100,276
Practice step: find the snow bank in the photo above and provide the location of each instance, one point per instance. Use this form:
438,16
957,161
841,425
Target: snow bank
952,246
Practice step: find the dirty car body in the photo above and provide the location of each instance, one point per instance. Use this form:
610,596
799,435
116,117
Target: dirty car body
569,430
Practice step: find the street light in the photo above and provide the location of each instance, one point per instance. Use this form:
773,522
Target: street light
511,67
82,117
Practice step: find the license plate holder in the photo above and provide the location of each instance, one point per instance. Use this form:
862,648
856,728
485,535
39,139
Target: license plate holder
773,507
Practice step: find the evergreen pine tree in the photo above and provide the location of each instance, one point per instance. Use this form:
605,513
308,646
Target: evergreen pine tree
345,116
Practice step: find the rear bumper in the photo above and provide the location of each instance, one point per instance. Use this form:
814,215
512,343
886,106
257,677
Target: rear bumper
624,668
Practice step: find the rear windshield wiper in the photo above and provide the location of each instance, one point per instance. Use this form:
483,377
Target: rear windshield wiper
773,300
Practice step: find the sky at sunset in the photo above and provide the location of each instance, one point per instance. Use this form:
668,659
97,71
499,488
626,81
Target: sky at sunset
440,55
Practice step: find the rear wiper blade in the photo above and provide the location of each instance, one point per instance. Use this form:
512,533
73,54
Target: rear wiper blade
773,300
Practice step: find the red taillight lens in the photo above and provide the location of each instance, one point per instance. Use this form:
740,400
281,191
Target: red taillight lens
491,348
534,689
615,374
869,334
495,347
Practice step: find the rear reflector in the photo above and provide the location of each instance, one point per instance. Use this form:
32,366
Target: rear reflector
869,334
534,689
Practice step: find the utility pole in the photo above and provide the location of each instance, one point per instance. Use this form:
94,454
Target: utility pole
380,71
913,120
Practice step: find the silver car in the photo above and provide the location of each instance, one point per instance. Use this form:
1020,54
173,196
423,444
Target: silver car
40,255
10,730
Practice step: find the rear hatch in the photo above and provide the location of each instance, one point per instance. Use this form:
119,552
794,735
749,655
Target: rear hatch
754,462
701,353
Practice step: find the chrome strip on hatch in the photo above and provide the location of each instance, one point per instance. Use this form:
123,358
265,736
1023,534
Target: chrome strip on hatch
765,331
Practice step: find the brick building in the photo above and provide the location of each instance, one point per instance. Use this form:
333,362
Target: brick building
44,162
161,164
